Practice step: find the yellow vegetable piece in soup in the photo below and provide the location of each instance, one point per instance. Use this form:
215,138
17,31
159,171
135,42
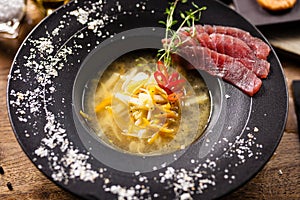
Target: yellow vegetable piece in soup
135,115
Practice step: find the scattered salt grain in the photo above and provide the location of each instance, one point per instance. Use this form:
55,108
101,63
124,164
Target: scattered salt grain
106,181
250,136
155,195
68,162
81,15
137,173
186,196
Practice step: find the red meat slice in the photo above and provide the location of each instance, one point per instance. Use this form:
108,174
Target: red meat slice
223,52
236,48
222,66
260,48
228,45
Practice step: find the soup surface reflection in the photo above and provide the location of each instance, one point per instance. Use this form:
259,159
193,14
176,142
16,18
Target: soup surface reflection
147,109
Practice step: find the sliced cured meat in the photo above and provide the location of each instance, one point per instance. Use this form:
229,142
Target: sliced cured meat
229,53
222,66
260,48
236,48
260,67
228,45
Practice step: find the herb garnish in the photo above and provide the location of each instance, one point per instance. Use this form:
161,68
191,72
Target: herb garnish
189,18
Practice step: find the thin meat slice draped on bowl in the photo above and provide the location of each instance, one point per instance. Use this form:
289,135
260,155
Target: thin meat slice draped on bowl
223,55
236,48
260,48
222,66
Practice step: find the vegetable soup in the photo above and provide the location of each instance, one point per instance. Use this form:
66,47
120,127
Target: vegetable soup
143,107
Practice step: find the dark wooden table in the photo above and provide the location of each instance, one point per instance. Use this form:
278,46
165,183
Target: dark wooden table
279,179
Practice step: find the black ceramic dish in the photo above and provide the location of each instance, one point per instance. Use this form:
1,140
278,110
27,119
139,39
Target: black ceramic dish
70,47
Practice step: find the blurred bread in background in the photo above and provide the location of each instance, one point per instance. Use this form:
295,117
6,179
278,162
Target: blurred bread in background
277,5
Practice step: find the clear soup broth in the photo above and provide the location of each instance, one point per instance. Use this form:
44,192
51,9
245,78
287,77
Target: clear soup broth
144,109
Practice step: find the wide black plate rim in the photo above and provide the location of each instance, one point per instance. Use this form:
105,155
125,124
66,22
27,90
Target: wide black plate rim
29,154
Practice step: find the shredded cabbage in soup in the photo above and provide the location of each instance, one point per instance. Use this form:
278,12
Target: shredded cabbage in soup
147,109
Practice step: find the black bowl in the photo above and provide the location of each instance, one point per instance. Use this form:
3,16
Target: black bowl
147,38
45,90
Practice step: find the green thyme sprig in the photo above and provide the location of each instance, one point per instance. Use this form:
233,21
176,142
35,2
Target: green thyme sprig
189,18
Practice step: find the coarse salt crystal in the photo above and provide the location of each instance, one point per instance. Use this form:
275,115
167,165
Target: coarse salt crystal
137,173
185,196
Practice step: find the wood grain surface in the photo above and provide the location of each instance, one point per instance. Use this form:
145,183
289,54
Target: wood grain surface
279,179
